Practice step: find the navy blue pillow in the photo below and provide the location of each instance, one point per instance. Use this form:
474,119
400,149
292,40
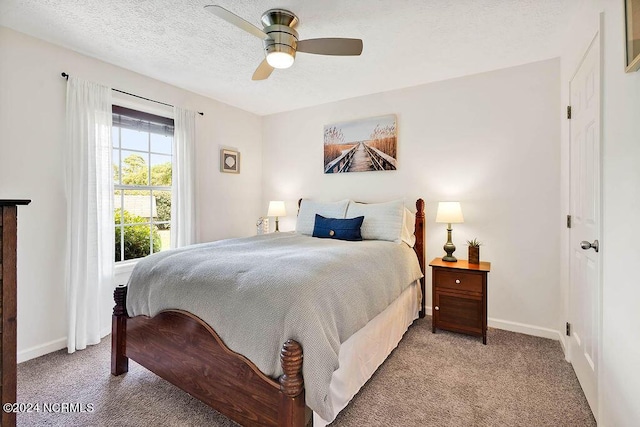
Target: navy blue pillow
334,228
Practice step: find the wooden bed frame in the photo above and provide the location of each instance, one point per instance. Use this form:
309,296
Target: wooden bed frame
179,347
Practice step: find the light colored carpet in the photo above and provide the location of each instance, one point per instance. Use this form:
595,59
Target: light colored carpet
444,379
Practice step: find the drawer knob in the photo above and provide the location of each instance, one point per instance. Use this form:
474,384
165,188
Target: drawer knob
458,281
437,308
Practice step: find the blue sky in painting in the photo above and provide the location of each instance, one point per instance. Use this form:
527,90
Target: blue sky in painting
360,130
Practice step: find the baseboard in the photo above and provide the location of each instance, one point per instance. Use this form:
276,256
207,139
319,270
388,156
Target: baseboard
41,350
563,343
565,347
521,328
50,347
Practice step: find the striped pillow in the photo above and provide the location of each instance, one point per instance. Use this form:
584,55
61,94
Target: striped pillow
309,208
382,221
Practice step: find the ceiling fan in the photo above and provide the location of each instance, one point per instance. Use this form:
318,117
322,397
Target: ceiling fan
281,42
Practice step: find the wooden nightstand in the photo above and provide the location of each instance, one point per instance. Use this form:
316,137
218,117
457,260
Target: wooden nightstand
459,291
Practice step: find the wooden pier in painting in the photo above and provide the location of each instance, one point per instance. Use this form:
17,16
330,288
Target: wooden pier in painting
361,158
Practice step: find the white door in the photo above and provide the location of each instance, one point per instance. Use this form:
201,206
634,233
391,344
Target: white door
585,284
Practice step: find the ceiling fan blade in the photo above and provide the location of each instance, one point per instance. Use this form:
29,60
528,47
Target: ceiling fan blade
331,46
263,71
234,19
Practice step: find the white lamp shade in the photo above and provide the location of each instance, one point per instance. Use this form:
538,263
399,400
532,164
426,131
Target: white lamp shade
276,208
449,212
280,59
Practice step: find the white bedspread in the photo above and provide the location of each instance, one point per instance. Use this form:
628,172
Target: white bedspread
257,292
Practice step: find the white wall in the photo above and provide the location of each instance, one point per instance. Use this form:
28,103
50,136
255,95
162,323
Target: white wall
490,141
32,118
620,359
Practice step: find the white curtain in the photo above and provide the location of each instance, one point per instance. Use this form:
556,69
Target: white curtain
183,178
89,192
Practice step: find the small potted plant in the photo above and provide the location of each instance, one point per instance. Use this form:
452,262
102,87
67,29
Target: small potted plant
474,251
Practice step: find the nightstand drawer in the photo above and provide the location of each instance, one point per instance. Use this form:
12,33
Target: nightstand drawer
460,280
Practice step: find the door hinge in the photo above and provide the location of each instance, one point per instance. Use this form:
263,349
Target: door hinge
569,112
568,221
568,329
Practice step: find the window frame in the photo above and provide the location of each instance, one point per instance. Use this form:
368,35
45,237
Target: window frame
157,121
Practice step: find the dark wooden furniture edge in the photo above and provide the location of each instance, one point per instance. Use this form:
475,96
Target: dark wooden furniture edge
419,249
14,202
8,304
461,264
182,349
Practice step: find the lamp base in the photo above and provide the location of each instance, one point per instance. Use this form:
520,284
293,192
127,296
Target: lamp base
449,248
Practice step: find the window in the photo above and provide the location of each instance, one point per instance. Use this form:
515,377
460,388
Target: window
142,159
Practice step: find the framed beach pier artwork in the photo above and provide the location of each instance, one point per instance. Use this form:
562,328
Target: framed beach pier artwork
361,145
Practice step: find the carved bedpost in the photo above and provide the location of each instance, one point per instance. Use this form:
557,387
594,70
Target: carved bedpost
419,248
119,362
292,406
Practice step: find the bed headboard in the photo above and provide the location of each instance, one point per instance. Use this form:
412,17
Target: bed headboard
419,248
419,233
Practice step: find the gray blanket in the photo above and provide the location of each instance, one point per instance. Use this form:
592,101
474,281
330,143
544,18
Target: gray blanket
257,292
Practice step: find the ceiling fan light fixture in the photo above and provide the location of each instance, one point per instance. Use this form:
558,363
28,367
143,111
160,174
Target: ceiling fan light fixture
280,59
281,42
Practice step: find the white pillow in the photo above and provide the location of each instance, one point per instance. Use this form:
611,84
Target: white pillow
382,221
409,228
309,208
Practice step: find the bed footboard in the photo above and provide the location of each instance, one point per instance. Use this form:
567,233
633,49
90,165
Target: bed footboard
119,361
179,347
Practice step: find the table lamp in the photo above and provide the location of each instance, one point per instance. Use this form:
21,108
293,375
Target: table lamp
449,213
276,208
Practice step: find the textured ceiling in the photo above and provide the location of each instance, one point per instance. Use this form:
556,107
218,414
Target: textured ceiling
406,42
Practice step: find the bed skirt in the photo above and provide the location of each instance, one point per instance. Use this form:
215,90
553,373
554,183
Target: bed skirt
367,349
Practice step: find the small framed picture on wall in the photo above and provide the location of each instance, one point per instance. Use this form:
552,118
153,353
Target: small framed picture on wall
229,161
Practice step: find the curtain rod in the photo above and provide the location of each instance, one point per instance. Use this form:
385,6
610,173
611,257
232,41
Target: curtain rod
66,76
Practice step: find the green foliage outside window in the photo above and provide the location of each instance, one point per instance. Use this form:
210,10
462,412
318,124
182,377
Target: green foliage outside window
163,206
136,237
161,174
136,172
